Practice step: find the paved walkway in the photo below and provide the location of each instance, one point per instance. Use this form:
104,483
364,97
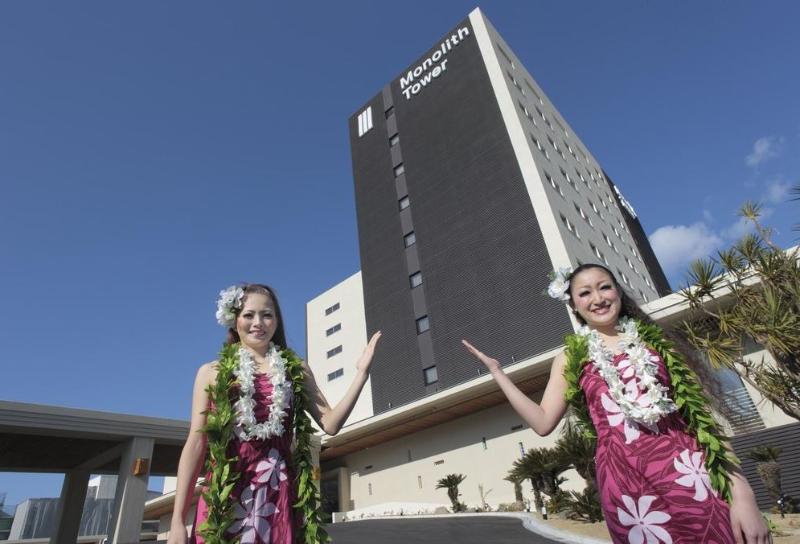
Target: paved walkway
447,530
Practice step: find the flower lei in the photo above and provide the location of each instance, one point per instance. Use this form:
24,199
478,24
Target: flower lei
690,400
221,426
649,407
247,428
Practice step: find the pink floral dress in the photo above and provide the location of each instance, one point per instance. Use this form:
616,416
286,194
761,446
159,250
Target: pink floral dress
652,483
264,493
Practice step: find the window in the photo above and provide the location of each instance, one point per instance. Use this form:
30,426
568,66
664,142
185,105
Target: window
622,275
583,179
419,481
439,462
483,442
335,351
415,279
598,253
431,376
570,226
399,170
514,81
330,309
389,112
630,264
616,232
539,146
335,328
517,427
335,374
394,140
644,297
369,489
408,454
647,281
526,112
410,239
594,208
553,184
569,179
404,203
533,91
608,240
423,324
505,55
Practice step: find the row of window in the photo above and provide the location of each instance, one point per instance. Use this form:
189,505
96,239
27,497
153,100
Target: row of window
422,323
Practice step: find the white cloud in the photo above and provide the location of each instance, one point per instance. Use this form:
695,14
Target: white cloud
764,149
677,245
777,192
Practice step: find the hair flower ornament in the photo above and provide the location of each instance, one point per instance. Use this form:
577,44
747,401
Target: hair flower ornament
559,286
229,301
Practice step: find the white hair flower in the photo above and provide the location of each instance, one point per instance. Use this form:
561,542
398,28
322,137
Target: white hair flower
559,287
229,301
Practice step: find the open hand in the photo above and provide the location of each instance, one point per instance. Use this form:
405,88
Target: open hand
365,361
748,524
488,362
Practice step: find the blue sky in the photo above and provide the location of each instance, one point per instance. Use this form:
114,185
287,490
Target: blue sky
154,153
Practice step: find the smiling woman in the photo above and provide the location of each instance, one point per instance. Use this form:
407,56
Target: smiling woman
662,472
249,423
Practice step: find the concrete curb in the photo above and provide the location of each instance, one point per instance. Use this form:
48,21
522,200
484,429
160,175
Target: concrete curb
529,522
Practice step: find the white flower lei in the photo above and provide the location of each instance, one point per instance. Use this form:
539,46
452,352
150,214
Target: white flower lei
247,428
653,403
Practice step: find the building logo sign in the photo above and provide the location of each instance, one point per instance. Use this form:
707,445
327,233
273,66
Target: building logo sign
432,67
364,121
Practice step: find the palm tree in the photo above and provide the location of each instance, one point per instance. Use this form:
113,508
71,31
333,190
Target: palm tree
517,481
543,467
451,482
578,451
768,469
763,282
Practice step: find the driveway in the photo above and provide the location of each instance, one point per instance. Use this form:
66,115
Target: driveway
447,530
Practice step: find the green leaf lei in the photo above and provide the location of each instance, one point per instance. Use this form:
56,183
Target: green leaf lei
687,394
219,428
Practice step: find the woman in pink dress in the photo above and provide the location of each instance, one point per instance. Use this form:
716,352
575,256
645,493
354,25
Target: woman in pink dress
265,491
651,471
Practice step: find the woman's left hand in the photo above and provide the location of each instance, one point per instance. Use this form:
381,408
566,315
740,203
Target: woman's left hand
364,362
748,523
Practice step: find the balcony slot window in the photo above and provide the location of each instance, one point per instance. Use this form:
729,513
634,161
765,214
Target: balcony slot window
410,239
423,324
399,170
404,202
394,140
415,279
431,376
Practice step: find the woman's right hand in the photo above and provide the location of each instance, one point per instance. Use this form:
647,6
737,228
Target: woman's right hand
491,364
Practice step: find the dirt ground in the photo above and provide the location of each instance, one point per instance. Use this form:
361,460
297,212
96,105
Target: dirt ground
789,528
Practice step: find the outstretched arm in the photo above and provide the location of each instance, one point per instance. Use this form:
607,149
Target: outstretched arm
542,417
192,455
332,419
